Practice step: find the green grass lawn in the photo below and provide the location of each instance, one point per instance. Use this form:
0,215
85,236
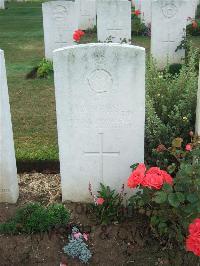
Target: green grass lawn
32,101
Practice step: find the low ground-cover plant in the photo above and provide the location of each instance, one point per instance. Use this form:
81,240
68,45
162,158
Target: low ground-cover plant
35,218
108,204
171,202
43,70
77,248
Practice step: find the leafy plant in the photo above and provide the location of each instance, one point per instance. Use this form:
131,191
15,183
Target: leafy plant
170,102
35,218
173,207
77,248
45,69
138,27
108,204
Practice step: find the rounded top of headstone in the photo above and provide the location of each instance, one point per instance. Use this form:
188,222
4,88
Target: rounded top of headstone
103,45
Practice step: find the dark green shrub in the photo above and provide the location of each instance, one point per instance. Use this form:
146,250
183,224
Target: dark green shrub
174,69
35,218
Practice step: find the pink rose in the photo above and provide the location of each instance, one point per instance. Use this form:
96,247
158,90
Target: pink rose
100,201
188,147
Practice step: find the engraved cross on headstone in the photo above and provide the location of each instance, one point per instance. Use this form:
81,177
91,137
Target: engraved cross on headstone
101,153
168,41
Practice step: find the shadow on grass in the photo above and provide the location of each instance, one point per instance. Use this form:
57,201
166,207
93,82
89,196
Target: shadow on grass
40,166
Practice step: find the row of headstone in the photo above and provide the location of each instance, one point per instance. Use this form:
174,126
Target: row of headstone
61,19
2,4
168,24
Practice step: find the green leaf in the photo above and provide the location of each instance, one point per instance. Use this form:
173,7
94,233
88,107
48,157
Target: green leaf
173,200
160,197
171,168
180,196
167,187
192,198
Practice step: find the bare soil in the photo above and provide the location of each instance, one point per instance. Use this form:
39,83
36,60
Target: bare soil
127,243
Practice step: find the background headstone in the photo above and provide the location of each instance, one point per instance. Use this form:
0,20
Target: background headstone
8,172
146,11
113,21
192,10
100,105
60,20
2,4
87,18
136,4
198,108
169,19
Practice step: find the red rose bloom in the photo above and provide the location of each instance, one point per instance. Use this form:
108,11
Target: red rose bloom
193,240
193,244
137,12
194,227
81,33
77,35
153,178
137,176
167,178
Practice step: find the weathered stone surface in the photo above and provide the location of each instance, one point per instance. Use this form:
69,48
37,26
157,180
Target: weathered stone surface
8,172
114,21
60,20
87,17
100,104
146,10
169,19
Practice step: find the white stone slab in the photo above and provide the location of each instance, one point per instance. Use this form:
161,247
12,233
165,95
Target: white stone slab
146,11
100,115
169,19
192,10
60,20
87,19
136,4
113,21
198,107
2,4
8,172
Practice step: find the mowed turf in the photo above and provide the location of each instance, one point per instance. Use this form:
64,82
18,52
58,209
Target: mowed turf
32,101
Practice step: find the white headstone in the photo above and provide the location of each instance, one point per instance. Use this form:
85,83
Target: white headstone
146,11
169,19
192,10
136,4
198,108
60,20
8,172
100,115
87,19
2,5
114,21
